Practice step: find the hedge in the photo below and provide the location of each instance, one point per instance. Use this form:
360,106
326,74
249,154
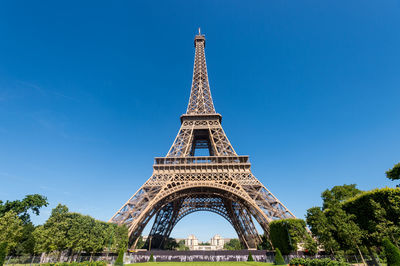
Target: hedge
392,253
287,233
316,262
85,263
364,207
3,252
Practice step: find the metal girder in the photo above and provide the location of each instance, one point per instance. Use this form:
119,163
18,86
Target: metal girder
183,183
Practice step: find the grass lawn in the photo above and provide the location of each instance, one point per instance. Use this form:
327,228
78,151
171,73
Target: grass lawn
204,263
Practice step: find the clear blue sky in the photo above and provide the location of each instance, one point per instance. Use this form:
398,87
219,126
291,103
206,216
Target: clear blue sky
92,91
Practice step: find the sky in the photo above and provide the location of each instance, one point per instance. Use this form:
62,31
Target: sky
92,91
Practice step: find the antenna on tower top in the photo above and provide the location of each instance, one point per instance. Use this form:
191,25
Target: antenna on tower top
199,31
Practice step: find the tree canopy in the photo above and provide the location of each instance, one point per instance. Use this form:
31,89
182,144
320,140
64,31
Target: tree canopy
286,234
66,230
338,194
11,229
22,207
394,173
233,244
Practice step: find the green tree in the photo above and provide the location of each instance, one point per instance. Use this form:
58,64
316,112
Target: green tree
151,259
79,227
392,253
53,235
286,234
347,232
337,194
311,246
182,246
27,241
279,258
11,229
96,238
31,203
3,252
394,173
121,237
23,208
250,257
140,244
322,229
120,259
233,244
170,244
265,243
377,213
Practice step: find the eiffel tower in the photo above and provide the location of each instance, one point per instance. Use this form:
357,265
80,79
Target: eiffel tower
183,183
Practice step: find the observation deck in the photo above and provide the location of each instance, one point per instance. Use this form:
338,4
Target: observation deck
202,164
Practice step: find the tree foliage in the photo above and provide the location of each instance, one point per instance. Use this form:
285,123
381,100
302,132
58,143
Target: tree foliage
11,229
3,252
182,246
78,233
250,257
394,173
265,243
170,244
22,207
334,227
279,258
377,212
286,234
311,246
233,244
392,253
120,259
338,194
321,228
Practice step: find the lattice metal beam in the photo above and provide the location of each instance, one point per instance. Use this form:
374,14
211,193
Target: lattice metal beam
182,183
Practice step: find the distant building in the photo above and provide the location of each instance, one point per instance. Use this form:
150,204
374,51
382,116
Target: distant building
216,243
191,241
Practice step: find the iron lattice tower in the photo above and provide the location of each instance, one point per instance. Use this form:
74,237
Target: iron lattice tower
183,183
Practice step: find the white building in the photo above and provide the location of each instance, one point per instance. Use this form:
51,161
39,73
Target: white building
191,241
216,243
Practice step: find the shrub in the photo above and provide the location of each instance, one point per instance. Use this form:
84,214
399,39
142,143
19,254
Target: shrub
316,262
3,252
278,257
311,246
392,253
250,257
120,259
151,259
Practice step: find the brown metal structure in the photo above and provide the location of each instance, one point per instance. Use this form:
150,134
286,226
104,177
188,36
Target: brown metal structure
183,183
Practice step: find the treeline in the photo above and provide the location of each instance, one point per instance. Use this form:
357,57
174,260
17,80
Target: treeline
78,233
349,221
63,231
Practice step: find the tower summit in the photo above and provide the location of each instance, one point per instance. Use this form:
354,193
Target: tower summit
183,183
200,101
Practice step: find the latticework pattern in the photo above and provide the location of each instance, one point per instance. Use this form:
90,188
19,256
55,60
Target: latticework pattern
183,183
200,101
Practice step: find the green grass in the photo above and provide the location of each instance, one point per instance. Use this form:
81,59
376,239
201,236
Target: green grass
205,263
